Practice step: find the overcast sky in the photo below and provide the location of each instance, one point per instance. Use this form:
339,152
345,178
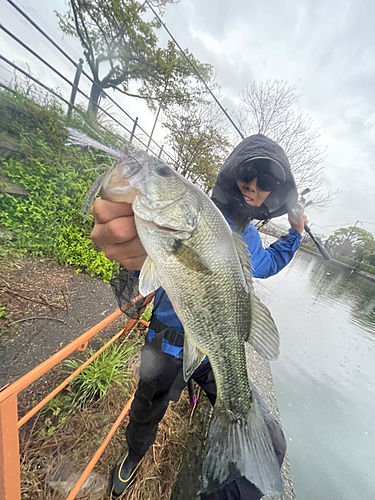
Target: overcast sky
327,46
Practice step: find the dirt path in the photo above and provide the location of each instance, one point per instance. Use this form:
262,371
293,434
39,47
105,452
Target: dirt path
84,302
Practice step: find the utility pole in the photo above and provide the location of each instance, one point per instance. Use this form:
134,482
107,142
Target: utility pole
153,128
351,232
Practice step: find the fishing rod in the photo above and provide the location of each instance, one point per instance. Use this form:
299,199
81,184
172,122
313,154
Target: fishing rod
296,212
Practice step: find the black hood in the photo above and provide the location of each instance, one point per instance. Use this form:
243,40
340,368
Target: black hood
228,197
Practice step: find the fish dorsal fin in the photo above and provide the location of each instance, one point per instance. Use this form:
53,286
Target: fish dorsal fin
245,259
263,335
193,357
190,258
148,279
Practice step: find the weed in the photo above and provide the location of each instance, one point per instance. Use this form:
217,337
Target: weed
48,221
55,413
146,316
4,318
109,368
3,313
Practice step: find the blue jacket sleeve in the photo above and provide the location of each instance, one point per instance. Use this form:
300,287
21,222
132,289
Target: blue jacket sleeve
269,261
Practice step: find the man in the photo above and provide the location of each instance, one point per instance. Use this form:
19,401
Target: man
255,183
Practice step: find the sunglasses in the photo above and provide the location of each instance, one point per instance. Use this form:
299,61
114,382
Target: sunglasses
265,182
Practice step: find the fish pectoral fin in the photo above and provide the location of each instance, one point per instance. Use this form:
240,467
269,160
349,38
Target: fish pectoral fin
263,335
148,279
92,192
190,258
193,357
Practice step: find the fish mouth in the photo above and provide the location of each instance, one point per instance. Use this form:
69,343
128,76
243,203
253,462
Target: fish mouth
116,187
165,228
158,227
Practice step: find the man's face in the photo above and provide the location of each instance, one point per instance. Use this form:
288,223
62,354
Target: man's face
251,193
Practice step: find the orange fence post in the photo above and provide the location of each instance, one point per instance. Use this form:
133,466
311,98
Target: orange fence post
30,377
72,495
10,477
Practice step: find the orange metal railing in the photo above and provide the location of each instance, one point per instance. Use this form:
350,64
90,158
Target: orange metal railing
10,477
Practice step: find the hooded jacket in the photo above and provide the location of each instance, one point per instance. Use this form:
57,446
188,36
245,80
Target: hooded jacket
228,197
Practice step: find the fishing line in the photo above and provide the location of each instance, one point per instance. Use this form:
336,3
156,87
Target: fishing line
195,69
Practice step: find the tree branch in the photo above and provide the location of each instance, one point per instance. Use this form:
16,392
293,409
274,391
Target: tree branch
89,52
132,95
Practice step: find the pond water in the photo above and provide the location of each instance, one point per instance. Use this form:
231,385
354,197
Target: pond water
325,376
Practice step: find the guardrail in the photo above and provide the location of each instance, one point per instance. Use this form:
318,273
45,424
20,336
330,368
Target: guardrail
10,476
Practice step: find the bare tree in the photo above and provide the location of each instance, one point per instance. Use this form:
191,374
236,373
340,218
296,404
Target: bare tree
269,109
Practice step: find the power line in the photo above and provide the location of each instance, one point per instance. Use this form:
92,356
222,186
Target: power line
29,49
6,69
35,34
195,70
48,28
346,224
41,31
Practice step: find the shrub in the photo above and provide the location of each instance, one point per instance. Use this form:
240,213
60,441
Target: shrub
48,221
356,264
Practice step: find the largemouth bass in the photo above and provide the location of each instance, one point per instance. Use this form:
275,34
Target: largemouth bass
205,269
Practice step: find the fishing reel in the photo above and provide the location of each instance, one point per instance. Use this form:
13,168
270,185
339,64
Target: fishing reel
300,206
296,213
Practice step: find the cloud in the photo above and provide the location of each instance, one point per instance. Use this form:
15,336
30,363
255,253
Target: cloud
328,48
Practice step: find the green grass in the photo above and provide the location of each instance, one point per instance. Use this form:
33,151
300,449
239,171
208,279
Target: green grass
55,413
3,313
109,368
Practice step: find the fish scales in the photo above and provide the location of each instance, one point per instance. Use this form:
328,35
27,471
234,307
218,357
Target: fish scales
222,311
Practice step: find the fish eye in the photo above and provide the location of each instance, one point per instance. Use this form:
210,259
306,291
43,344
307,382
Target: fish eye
164,171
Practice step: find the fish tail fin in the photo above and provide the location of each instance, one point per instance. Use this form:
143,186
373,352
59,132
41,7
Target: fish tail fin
236,448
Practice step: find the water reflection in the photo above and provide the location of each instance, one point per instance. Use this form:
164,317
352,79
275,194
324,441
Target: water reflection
333,284
329,439
325,378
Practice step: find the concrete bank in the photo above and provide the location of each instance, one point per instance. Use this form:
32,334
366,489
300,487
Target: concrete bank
338,263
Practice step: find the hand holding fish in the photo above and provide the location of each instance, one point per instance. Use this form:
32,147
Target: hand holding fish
115,233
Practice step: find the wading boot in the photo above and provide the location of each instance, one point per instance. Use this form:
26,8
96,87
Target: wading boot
123,475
